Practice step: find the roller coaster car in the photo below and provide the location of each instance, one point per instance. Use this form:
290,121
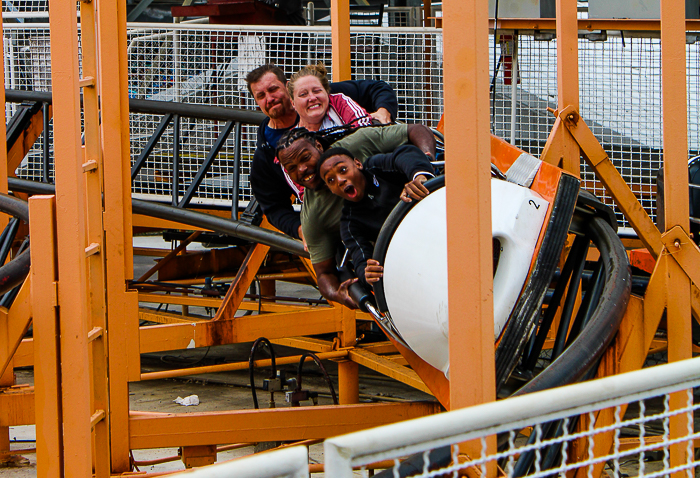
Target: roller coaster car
533,204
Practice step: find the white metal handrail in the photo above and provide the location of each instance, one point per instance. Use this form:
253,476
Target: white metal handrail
290,462
414,436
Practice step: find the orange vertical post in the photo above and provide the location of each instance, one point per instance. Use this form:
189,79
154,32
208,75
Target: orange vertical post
340,39
567,82
122,304
8,378
675,138
47,358
3,140
468,183
348,371
70,218
92,165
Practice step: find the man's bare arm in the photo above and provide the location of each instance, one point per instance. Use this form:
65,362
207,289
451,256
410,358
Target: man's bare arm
421,137
330,286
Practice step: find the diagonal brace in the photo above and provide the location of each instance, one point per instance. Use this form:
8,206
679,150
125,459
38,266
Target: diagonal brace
605,171
246,274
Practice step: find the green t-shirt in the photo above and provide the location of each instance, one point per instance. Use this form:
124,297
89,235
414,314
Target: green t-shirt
320,213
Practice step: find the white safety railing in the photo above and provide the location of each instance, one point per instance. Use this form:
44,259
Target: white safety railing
639,440
290,462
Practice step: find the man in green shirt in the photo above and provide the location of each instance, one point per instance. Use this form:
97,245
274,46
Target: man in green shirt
298,150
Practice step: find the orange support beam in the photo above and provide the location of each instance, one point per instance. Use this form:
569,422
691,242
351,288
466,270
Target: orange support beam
340,40
567,80
468,187
239,286
122,304
47,359
676,214
245,426
8,379
70,219
240,329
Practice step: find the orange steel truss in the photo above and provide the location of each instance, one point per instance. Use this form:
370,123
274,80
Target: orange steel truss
86,343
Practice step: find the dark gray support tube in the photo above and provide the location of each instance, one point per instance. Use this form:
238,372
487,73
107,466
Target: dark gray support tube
152,141
187,110
236,172
45,173
176,160
232,228
204,168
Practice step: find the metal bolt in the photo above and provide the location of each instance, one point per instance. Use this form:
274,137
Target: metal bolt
677,243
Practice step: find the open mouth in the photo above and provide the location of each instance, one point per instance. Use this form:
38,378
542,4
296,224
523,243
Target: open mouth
308,178
350,191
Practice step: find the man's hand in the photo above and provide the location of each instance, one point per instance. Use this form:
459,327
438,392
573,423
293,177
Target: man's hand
330,286
343,296
373,271
301,236
414,190
382,115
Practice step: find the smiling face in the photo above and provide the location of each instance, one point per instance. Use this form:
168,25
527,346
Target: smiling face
272,97
311,101
344,177
300,160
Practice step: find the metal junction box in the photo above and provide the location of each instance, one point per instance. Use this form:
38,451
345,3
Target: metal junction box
523,9
644,9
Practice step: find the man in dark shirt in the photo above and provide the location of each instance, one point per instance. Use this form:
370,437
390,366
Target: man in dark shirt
271,186
370,193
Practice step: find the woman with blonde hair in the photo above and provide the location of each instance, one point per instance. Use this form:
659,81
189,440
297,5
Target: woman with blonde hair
318,109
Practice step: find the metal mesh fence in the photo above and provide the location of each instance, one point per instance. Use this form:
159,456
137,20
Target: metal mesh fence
620,100
23,6
640,445
619,80
617,426
206,65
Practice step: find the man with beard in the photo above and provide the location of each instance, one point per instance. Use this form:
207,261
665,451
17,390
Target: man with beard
271,186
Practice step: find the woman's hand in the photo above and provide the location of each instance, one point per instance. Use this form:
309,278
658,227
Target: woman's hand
382,115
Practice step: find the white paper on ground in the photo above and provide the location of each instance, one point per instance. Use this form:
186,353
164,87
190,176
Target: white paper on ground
187,401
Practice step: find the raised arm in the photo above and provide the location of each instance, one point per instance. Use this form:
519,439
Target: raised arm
422,138
372,95
330,286
407,160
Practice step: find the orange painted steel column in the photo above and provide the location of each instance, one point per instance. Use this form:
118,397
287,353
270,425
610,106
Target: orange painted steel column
340,39
92,165
8,378
70,218
348,371
468,183
122,304
47,358
675,138
567,82
3,140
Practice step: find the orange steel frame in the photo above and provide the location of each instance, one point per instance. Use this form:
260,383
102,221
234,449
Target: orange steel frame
86,344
